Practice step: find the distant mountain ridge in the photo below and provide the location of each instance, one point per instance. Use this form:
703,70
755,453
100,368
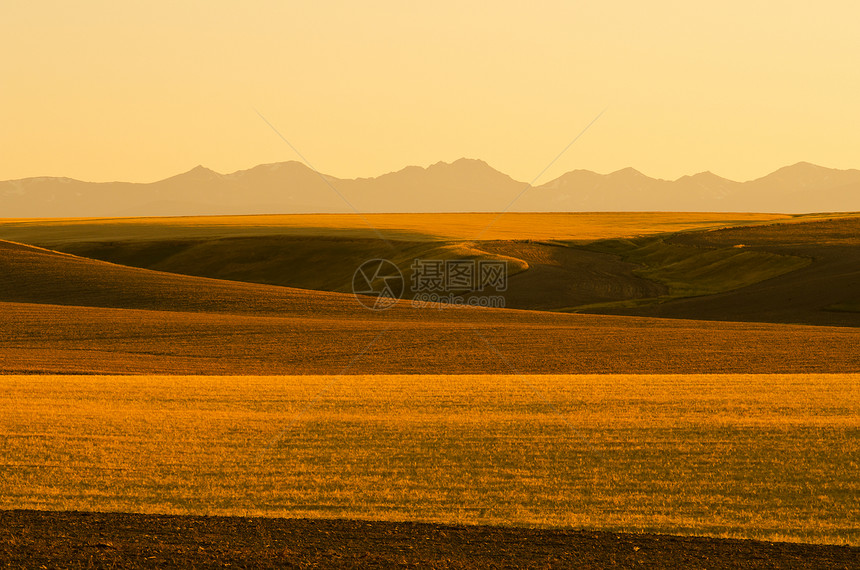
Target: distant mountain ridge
465,185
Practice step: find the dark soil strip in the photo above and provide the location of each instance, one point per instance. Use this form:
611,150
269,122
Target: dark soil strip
34,539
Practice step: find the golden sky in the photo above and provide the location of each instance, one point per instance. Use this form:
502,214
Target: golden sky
139,91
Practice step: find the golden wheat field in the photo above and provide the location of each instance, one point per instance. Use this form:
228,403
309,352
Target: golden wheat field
578,226
757,456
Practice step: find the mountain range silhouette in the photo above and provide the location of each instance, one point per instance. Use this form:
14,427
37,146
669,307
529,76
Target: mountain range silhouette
465,185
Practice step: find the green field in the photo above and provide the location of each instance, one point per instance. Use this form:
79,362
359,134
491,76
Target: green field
759,456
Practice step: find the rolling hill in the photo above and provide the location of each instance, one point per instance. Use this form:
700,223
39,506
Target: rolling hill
766,268
826,290
64,314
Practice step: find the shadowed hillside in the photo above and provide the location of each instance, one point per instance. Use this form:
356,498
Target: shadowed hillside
804,267
826,290
319,263
33,275
61,313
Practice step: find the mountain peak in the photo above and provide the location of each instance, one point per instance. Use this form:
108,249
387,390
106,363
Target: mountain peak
806,165
803,172
463,161
706,176
461,164
628,172
198,174
201,171
466,185
466,169
287,165
801,168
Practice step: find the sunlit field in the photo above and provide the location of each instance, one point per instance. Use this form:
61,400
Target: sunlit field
759,456
578,226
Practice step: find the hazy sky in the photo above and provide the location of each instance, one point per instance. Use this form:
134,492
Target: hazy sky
140,91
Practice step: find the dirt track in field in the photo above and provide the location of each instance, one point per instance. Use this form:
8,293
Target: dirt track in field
119,540
560,277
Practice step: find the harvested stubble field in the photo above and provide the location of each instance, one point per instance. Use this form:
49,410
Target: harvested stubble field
581,226
768,451
751,456
50,339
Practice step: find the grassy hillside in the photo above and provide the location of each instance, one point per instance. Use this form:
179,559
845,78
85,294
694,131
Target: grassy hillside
323,251
811,293
676,260
558,276
321,263
61,313
34,275
688,270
